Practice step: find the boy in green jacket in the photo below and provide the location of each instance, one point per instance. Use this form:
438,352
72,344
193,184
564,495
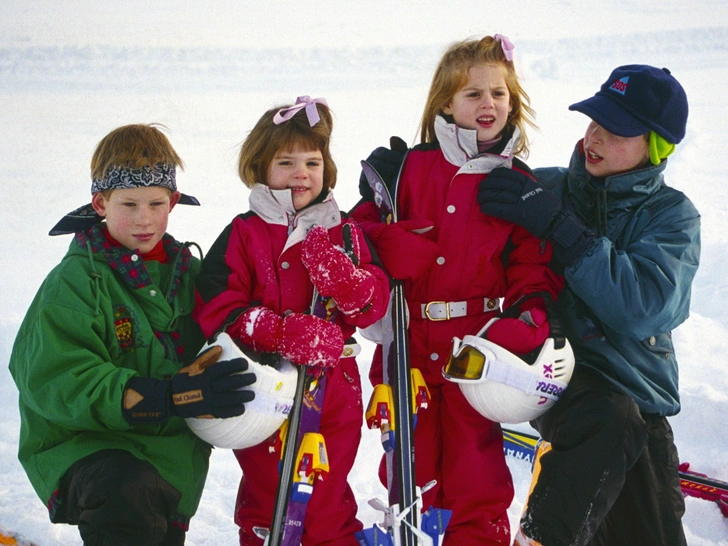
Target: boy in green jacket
99,358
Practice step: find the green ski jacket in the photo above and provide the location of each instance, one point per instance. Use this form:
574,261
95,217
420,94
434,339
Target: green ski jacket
102,316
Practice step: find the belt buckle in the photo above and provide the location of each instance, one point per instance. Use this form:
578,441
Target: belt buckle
437,319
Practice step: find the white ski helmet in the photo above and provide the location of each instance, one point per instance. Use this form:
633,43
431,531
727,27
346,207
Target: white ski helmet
503,387
274,390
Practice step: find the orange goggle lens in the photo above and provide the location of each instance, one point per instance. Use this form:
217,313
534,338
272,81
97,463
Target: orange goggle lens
468,364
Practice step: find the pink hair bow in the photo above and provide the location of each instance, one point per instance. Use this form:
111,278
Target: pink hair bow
506,45
284,114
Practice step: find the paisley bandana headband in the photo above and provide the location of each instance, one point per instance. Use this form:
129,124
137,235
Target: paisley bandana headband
117,178
121,178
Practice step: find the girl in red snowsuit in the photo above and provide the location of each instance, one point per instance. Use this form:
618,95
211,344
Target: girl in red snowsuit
257,283
457,266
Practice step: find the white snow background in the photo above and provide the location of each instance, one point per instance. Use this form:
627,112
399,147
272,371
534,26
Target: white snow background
72,71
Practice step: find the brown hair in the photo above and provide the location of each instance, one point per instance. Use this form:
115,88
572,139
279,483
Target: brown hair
133,146
451,75
266,139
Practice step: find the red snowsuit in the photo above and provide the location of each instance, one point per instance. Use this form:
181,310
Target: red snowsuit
257,261
467,257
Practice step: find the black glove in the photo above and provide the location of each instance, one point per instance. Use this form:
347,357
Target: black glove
386,161
518,198
201,389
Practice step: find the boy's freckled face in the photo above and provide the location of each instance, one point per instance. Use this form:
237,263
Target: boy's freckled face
608,154
137,217
301,171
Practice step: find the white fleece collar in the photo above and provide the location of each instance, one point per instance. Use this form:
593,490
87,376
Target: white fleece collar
460,147
276,207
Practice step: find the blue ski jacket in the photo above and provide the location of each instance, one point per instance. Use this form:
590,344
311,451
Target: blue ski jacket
631,287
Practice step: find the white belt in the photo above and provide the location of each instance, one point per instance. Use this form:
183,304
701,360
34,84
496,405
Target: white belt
446,310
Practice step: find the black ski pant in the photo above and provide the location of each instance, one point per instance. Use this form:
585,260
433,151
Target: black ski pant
611,475
116,499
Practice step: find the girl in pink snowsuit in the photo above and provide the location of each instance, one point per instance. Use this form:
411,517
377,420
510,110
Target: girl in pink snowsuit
458,267
257,283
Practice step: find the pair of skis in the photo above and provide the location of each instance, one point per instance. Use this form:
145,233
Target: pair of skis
304,458
523,446
393,410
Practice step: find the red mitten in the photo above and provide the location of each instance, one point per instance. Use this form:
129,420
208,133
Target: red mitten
405,252
311,341
302,339
334,274
260,329
521,335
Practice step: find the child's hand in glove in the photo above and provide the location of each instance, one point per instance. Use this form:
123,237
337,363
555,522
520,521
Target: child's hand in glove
205,388
302,339
520,335
334,274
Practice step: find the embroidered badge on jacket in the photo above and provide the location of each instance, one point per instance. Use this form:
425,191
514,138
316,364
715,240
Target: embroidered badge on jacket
123,327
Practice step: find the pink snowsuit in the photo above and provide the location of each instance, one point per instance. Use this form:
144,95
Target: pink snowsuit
257,261
469,261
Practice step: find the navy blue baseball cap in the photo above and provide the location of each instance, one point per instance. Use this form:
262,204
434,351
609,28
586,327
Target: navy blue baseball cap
637,99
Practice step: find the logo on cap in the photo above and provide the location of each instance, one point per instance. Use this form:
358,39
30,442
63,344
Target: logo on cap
620,85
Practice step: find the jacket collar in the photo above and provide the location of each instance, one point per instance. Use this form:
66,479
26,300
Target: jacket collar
128,264
460,147
276,207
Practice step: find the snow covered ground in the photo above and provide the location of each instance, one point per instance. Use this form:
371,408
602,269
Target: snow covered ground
72,71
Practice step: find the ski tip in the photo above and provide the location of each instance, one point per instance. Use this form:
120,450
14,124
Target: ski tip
12,538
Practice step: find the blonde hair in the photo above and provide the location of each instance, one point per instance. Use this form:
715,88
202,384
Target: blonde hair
451,75
133,147
266,139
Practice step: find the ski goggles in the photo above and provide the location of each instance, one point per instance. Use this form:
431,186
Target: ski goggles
476,360
467,361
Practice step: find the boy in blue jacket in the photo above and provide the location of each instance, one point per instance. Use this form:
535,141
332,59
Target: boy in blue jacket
629,247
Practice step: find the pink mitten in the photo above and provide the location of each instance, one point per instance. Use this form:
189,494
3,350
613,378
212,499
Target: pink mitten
260,329
311,341
302,339
521,335
334,274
